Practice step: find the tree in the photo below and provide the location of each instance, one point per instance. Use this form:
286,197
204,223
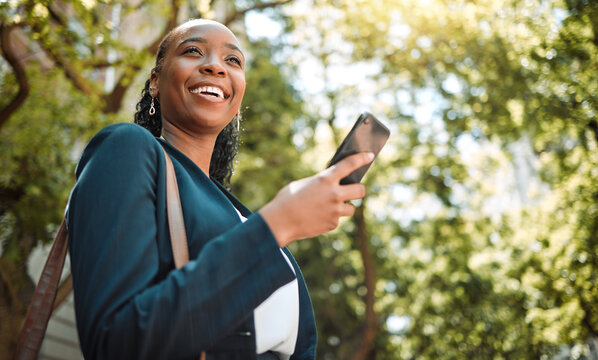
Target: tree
465,86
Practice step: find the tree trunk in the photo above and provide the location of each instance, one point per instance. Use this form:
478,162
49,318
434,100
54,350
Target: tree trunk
370,327
19,71
16,290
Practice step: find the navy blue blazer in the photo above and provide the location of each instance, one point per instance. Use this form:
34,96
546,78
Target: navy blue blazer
130,301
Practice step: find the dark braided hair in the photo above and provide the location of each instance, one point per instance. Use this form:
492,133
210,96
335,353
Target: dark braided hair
225,149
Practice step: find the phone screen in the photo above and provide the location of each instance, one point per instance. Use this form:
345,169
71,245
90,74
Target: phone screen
367,135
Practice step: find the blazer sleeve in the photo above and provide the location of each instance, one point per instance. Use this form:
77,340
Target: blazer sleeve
124,309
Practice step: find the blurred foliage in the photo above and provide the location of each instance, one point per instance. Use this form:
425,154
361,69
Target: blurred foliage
484,207
267,160
39,146
481,212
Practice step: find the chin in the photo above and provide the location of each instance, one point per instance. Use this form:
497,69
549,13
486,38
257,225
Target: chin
214,123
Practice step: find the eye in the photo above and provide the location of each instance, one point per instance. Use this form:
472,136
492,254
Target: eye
235,60
192,50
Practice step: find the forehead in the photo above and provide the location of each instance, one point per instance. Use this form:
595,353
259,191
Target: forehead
206,29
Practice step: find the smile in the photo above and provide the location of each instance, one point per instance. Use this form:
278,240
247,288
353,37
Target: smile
209,91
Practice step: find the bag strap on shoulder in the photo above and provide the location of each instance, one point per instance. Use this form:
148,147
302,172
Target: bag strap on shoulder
176,223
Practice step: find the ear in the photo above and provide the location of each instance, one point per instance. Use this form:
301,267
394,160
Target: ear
154,85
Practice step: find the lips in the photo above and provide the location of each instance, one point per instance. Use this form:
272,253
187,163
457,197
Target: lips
209,91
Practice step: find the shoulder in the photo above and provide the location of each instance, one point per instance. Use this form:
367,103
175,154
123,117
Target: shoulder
123,133
120,143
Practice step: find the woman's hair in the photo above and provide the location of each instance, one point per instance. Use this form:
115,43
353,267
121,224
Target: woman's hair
225,149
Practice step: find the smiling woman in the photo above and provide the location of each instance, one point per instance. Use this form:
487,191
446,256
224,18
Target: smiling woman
241,295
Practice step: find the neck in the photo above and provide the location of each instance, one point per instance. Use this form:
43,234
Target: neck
197,147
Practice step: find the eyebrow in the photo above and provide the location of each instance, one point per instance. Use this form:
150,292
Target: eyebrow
202,40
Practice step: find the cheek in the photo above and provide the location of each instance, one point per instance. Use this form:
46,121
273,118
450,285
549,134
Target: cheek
168,97
241,88
174,74
170,85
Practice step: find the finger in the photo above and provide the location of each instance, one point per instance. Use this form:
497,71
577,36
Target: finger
350,164
347,210
352,192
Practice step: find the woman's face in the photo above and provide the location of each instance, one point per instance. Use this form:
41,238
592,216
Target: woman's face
202,80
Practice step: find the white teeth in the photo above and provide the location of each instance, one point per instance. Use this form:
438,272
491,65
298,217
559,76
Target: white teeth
208,89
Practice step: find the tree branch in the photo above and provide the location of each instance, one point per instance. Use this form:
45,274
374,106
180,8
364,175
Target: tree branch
64,290
594,127
99,64
61,21
58,18
19,71
10,289
113,101
370,328
9,196
77,79
238,14
171,24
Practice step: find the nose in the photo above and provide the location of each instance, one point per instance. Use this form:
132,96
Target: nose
212,66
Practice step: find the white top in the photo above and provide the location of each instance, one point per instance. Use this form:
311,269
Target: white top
277,318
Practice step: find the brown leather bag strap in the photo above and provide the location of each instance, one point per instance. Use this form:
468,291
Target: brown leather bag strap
176,223
42,303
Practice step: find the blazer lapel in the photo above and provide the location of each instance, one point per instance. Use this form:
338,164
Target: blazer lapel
236,203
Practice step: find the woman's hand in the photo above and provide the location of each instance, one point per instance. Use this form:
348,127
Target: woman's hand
313,205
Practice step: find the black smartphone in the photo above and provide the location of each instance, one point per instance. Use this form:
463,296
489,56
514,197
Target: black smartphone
367,135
